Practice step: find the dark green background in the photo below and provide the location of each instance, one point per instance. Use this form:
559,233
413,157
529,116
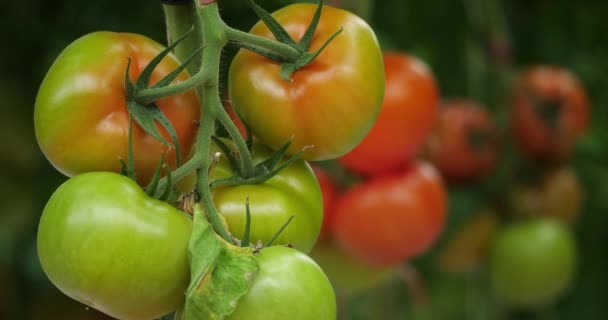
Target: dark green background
456,38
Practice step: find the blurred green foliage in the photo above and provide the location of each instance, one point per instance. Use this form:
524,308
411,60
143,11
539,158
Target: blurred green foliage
473,46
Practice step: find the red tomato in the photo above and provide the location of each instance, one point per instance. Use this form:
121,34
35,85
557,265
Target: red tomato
237,121
391,218
550,110
406,118
329,192
463,144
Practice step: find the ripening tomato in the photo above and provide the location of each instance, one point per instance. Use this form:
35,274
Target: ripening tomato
408,112
102,241
294,191
463,143
532,263
330,104
550,110
81,118
559,194
391,218
329,192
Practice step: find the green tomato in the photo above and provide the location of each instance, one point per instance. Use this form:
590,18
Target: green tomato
347,274
532,263
104,242
289,285
294,192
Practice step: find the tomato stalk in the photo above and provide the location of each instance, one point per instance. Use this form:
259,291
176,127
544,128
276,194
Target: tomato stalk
180,19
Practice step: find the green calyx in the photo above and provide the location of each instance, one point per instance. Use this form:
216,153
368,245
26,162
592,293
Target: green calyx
295,62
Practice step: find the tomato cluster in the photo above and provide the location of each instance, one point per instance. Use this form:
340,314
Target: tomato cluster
395,208
134,247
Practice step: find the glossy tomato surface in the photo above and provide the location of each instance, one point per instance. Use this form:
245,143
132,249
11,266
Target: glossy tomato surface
550,110
391,218
330,104
104,242
463,145
532,263
81,118
407,116
292,192
289,285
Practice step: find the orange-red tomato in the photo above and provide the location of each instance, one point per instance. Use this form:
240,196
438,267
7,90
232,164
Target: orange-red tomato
391,218
330,104
550,110
81,117
463,144
407,116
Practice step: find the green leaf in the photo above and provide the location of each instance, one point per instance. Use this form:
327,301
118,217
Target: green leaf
276,235
144,77
168,187
275,27
175,73
153,185
246,237
220,273
312,28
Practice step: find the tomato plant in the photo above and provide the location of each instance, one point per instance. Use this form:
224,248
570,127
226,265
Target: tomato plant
81,117
408,112
290,285
329,192
532,263
104,242
550,110
559,194
292,192
463,143
328,105
391,218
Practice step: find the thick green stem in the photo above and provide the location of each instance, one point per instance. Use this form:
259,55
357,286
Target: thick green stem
180,19
281,49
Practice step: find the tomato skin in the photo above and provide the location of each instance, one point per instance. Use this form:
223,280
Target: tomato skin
292,192
532,263
407,116
81,119
329,191
289,285
561,93
391,218
347,274
104,242
453,148
329,105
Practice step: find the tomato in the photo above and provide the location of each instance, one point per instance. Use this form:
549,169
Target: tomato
550,110
391,218
348,275
408,112
81,118
559,194
289,285
329,192
532,263
463,144
292,192
235,118
330,104
102,241
468,246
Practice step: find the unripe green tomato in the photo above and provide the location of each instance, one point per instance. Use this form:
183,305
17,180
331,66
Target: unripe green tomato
289,285
102,241
532,263
294,191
